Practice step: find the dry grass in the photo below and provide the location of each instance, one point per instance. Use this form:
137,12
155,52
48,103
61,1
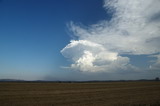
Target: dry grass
80,94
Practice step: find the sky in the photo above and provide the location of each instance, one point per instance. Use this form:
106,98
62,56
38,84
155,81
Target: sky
79,39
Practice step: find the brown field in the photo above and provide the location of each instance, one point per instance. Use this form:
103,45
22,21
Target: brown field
80,94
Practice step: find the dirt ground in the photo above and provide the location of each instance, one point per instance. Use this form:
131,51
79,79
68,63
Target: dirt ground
140,93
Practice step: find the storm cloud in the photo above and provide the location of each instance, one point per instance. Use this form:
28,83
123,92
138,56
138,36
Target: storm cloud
134,29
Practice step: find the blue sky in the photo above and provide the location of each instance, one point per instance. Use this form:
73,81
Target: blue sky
34,34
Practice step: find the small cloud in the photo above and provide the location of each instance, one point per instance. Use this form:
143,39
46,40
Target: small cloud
156,65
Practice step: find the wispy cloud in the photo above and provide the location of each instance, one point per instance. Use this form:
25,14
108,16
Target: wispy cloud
134,29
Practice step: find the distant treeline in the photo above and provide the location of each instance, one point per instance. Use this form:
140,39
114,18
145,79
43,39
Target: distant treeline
90,81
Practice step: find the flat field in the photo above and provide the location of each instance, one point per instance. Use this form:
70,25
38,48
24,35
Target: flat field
145,93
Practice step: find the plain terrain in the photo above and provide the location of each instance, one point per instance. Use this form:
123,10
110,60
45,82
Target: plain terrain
145,93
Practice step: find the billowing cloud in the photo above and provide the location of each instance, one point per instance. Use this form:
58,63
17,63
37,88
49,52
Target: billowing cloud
93,57
134,29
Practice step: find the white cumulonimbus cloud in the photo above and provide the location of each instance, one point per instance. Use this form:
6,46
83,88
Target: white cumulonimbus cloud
134,29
